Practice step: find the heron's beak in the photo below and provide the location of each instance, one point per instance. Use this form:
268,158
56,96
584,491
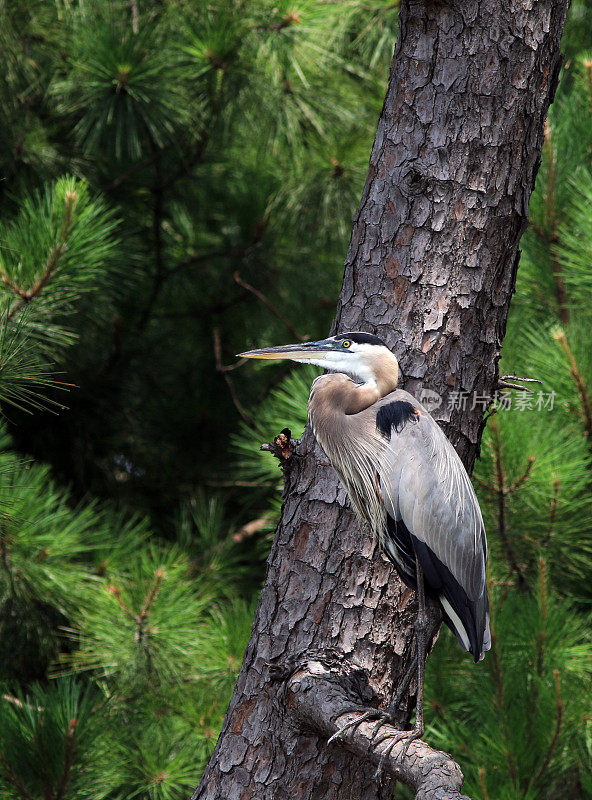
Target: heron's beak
307,351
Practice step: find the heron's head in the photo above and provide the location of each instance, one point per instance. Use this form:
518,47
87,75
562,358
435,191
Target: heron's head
363,357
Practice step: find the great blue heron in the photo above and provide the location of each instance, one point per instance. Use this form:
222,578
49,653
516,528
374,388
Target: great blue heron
404,479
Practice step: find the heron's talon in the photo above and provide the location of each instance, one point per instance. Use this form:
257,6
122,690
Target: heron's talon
386,719
368,714
410,736
387,752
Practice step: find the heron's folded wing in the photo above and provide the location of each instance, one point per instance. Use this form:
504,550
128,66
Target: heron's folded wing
425,484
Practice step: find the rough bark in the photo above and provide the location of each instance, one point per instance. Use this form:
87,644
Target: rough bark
431,269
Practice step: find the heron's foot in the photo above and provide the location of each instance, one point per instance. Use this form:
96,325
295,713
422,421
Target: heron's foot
394,740
368,714
509,382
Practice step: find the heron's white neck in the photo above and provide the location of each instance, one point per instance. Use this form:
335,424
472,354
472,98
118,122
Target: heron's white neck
356,385
380,376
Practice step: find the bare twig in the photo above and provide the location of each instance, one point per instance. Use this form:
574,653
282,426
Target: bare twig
19,703
316,696
490,413
224,371
220,367
268,304
250,529
505,383
281,446
135,16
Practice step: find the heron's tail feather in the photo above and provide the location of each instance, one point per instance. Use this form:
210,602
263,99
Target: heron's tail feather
455,624
459,628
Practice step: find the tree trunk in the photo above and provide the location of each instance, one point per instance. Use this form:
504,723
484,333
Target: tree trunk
431,268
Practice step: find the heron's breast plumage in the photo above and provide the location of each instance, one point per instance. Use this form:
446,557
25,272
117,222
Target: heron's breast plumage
353,446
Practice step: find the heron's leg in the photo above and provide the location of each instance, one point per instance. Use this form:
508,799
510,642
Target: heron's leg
421,629
402,687
389,714
386,716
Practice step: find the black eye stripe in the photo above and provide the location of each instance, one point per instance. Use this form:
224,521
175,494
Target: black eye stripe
360,337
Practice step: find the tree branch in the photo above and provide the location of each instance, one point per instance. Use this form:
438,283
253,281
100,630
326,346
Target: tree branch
154,590
24,296
501,490
68,761
524,477
271,306
578,380
553,237
316,695
114,590
556,731
224,372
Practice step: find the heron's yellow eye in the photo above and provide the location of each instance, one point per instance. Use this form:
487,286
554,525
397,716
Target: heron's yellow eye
346,343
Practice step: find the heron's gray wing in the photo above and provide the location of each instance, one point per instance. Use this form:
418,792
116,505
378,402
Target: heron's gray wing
425,484
425,487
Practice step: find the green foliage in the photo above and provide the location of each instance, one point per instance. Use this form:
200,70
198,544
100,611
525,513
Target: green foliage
142,625
157,763
60,246
154,632
45,738
516,719
533,481
121,90
230,142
